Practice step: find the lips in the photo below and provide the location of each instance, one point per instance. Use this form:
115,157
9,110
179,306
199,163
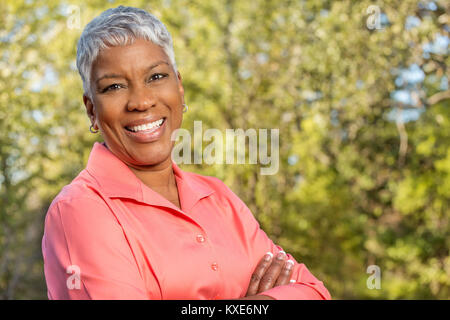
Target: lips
146,126
146,131
147,121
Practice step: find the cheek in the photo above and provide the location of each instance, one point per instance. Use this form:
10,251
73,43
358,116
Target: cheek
177,118
174,100
108,113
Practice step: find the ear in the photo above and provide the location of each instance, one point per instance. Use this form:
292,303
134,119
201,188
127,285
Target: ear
90,110
180,85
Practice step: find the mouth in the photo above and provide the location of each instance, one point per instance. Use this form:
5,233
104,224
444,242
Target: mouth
146,127
146,132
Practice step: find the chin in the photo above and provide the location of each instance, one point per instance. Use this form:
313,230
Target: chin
151,158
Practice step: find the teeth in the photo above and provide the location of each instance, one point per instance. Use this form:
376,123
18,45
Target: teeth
147,126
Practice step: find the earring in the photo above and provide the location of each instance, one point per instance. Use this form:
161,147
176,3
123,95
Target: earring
185,107
90,129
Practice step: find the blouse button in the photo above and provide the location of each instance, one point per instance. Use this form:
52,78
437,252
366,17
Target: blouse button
215,266
200,238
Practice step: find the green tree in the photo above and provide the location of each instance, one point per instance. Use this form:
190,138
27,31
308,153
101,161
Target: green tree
363,114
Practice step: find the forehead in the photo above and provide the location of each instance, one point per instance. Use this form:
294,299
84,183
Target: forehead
130,58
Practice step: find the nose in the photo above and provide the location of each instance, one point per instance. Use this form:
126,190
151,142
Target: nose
140,100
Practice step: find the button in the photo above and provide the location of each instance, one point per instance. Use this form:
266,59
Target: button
215,266
200,238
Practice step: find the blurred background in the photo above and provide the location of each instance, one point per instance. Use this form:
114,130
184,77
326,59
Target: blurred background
359,91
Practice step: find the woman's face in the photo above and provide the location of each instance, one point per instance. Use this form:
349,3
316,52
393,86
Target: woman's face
136,102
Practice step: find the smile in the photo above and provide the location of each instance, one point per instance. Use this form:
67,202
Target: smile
147,132
147,126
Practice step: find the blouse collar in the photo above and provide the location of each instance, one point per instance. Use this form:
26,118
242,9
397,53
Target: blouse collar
116,180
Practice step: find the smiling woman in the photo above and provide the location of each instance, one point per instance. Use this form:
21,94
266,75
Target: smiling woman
137,104
132,225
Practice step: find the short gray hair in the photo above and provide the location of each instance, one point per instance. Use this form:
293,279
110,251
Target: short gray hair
118,27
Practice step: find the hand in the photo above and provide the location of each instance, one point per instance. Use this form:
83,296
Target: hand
270,272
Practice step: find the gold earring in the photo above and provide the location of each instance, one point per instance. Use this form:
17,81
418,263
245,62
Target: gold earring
185,107
90,129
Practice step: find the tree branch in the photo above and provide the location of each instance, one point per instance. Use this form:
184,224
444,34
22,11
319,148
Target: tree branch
438,97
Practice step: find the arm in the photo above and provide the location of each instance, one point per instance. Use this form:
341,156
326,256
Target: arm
86,254
305,287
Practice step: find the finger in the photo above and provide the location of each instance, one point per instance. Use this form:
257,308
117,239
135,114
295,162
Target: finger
285,274
270,277
258,274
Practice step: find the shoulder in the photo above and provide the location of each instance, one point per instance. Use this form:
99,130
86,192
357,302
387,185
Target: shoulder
80,196
222,192
78,214
207,181
210,182
231,206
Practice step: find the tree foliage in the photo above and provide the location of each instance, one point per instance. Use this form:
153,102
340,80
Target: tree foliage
363,114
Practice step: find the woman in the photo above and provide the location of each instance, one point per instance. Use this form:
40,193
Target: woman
132,224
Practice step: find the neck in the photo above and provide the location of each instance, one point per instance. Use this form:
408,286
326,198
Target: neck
158,179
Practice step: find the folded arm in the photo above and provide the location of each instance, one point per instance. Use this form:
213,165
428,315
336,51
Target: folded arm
302,285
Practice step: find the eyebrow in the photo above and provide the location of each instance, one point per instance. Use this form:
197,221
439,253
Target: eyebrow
115,75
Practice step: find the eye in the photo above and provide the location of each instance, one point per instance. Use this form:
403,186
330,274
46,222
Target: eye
157,76
112,87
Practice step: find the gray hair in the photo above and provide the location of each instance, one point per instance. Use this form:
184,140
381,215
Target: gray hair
118,27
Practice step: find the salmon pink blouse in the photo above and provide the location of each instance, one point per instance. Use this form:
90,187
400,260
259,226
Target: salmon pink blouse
109,236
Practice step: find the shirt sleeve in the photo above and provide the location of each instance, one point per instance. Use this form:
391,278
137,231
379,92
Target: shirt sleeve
305,287
86,254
